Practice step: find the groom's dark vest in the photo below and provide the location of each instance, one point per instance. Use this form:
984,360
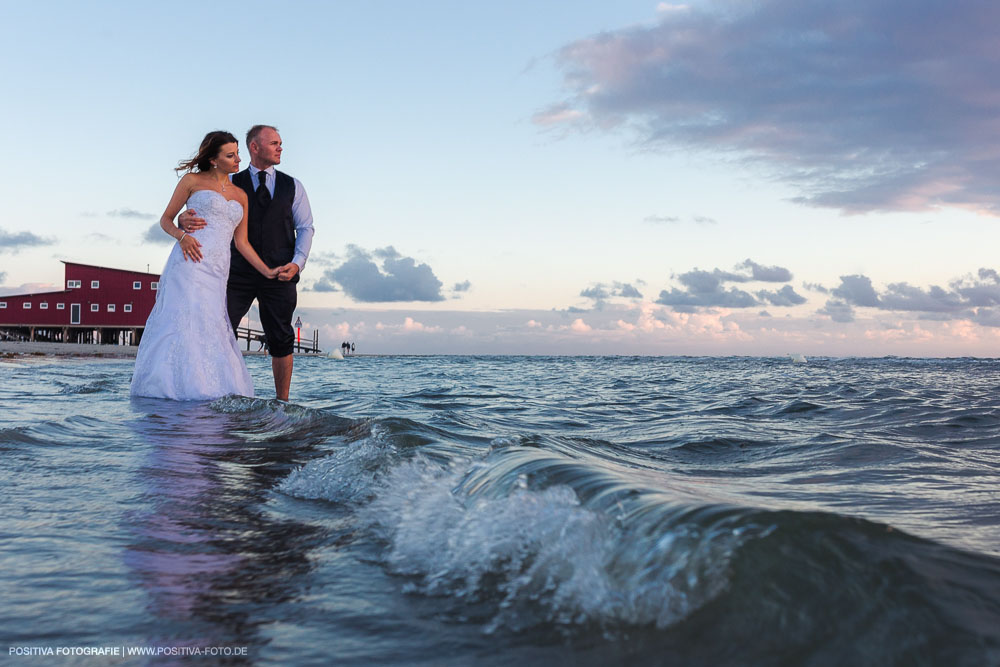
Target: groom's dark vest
271,230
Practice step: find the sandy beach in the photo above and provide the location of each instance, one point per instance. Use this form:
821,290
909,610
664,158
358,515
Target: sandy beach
25,348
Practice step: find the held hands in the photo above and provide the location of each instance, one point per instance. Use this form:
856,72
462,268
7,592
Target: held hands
270,273
288,271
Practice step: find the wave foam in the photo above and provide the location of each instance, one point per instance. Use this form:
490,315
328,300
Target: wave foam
535,536
542,556
273,420
346,476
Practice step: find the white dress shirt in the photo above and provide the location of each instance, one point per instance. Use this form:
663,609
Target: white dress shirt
301,214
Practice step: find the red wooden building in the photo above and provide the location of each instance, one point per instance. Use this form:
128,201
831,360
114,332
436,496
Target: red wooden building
98,305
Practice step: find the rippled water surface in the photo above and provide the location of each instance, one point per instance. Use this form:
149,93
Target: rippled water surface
505,510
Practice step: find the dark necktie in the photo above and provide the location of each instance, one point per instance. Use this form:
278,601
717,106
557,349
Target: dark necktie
263,195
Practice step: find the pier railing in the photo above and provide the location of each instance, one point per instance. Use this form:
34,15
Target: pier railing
256,337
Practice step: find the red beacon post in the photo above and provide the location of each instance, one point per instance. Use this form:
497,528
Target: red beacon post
298,329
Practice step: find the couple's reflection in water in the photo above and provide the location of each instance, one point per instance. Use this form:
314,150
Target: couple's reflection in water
213,558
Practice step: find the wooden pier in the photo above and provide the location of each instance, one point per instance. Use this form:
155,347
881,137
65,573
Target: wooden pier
256,342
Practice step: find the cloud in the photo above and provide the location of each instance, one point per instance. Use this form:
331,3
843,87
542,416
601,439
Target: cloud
815,287
597,292
131,213
155,234
29,288
324,284
984,292
644,328
786,296
858,105
556,115
856,290
987,317
600,292
628,291
458,289
381,276
975,298
14,242
706,289
323,258
409,325
838,311
769,274
688,301
901,296
661,219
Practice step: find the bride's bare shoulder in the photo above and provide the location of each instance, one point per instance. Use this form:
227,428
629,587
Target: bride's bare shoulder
191,180
186,184
240,195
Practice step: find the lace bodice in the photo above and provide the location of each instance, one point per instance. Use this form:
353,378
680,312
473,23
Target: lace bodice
221,218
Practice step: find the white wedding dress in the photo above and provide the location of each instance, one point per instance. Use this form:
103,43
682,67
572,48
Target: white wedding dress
188,350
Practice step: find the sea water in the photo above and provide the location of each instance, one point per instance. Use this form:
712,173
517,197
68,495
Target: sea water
507,511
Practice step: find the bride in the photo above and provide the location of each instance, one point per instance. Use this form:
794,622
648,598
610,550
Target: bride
188,351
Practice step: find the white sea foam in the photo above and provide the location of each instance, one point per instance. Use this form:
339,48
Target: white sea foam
540,554
346,476
536,555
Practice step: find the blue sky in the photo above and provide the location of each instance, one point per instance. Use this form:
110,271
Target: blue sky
717,177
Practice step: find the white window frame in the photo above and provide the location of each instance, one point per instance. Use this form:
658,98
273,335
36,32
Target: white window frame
155,285
95,307
60,306
128,307
44,305
75,307
111,307
3,304
136,284
26,305
73,284
95,284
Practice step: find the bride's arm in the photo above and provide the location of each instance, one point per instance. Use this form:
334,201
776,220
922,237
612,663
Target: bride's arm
243,243
190,246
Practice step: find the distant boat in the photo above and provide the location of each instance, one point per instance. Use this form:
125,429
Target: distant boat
797,358
335,354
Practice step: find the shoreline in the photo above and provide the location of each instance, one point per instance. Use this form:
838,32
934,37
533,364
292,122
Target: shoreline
22,349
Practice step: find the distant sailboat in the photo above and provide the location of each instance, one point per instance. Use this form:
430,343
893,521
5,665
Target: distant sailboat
797,358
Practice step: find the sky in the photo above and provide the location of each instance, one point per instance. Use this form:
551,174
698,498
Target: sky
712,178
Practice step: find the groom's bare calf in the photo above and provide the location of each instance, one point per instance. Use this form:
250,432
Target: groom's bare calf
282,369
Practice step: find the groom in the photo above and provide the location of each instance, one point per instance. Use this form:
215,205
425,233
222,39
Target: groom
280,229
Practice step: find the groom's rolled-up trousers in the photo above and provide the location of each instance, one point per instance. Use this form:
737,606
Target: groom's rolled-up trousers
277,300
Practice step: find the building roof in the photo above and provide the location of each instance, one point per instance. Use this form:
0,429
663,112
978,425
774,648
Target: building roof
108,268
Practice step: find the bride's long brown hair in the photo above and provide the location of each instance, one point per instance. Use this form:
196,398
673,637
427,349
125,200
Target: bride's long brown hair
208,151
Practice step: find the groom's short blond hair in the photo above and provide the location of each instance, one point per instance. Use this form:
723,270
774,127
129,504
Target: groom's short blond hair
255,131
